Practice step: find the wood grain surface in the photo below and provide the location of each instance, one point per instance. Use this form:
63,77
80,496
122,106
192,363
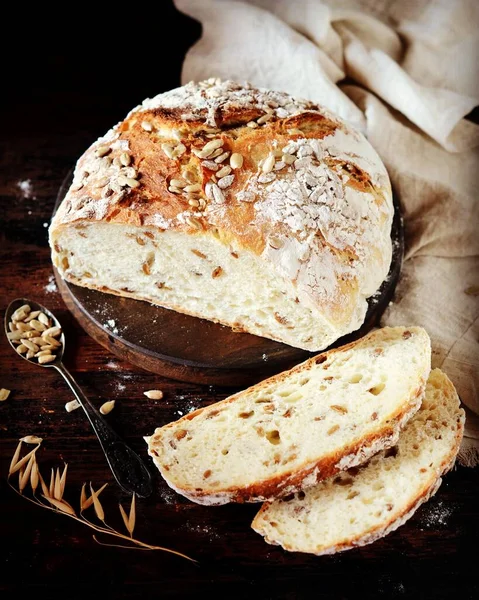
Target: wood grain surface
190,349
66,92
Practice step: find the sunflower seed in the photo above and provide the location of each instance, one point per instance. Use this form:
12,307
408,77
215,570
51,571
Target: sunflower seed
236,160
102,182
264,119
46,358
193,202
4,393
225,182
146,126
210,164
226,170
30,354
44,319
216,153
107,407
72,405
179,183
53,331
268,164
211,147
194,187
125,159
30,345
252,124
21,349
209,190
130,182
102,151
51,341
43,353
154,394
35,324
279,165
222,157
21,326
168,150
174,190
33,315
12,326
218,195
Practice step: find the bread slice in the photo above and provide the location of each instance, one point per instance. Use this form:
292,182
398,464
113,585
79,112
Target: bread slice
361,505
327,414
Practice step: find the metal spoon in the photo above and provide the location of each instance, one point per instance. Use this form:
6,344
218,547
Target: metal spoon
127,467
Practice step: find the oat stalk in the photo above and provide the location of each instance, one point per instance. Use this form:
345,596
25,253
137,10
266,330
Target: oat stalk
52,499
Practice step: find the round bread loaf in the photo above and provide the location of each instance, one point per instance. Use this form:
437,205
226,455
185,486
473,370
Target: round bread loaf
243,206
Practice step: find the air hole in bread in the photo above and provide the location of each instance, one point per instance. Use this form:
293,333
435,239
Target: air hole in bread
246,415
352,494
304,381
224,451
356,378
273,437
391,452
343,481
377,389
207,473
378,486
65,263
301,495
320,359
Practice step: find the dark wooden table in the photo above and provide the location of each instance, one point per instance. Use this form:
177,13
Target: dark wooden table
70,88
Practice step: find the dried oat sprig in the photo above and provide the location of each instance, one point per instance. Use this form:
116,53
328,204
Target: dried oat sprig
52,495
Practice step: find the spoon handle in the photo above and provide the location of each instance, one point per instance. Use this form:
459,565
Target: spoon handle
127,467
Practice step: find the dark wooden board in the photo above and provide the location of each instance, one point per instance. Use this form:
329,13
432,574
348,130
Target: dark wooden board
196,350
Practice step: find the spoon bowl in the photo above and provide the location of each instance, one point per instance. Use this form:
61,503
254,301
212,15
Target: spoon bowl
127,467
35,306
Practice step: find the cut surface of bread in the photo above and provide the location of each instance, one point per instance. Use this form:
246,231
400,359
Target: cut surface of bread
327,414
359,506
240,205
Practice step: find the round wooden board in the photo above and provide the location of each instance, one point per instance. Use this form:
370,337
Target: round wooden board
196,350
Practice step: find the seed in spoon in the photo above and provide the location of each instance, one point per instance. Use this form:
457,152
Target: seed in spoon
46,358
37,325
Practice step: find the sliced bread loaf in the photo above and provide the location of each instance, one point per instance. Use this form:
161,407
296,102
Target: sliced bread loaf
325,415
361,505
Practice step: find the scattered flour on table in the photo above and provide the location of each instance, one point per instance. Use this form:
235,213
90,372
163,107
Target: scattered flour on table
168,495
436,514
51,286
26,188
204,529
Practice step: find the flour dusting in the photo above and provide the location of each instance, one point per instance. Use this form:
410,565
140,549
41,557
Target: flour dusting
51,286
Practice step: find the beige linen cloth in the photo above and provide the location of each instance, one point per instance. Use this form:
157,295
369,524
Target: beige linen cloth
406,73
